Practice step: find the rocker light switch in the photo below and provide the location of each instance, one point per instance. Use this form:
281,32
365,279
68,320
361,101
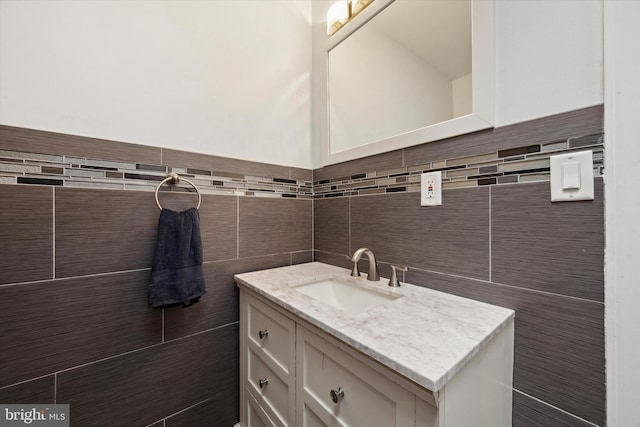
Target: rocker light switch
572,176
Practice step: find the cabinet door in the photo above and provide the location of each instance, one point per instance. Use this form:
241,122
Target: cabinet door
334,389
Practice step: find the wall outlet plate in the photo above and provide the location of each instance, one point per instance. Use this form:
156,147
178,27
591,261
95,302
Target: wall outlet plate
431,189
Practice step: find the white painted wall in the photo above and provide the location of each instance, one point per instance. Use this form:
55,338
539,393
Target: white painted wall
549,57
224,77
622,210
232,77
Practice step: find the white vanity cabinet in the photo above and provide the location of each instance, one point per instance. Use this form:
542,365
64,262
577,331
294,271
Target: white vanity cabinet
304,364
267,360
335,389
291,377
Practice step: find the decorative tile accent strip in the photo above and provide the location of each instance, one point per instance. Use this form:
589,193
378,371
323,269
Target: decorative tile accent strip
512,166
39,181
40,169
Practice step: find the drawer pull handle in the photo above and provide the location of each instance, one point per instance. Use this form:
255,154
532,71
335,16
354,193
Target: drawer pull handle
336,395
263,334
263,383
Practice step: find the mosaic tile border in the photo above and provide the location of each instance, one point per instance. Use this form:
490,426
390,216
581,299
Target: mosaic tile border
516,165
69,171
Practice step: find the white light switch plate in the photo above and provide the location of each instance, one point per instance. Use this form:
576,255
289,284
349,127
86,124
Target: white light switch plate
572,177
431,189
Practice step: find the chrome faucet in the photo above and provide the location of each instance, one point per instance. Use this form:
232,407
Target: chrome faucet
373,275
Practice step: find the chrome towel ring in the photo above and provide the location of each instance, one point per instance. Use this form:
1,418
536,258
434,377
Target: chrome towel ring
173,179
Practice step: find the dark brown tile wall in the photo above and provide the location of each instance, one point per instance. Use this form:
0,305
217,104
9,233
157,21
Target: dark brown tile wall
218,410
301,257
41,390
38,141
223,164
501,243
270,226
31,164
331,225
98,231
50,326
383,161
75,326
587,121
220,307
26,216
400,231
564,250
120,362
559,351
173,376
529,412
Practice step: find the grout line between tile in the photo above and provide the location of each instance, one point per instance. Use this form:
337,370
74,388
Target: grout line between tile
71,368
179,412
24,381
313,226
53,225
508,286
349,216
555,407
490,221
57,279
238,227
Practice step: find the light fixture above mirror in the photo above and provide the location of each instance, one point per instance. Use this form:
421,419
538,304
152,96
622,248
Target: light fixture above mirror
342,12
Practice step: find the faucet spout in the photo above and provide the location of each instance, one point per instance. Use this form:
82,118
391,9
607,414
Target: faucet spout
373,275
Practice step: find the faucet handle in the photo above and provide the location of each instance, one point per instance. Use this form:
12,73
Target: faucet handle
355,271
394,282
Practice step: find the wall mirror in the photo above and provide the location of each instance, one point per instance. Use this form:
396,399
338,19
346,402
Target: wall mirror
406,72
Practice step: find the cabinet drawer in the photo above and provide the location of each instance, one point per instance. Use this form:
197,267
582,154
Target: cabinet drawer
255,415
369,398
270,332
276,395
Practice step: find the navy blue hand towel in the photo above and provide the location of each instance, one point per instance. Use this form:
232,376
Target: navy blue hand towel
176,274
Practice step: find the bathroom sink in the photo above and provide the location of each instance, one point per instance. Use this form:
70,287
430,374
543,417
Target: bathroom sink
348,295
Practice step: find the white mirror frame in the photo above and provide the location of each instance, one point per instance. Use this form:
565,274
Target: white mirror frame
482,116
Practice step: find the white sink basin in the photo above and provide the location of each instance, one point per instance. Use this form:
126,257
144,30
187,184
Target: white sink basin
347,295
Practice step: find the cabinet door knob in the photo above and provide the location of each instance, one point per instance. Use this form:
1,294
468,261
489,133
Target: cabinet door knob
263,383
263,334
336,395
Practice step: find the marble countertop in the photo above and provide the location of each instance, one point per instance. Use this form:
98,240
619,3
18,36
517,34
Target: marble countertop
425,335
